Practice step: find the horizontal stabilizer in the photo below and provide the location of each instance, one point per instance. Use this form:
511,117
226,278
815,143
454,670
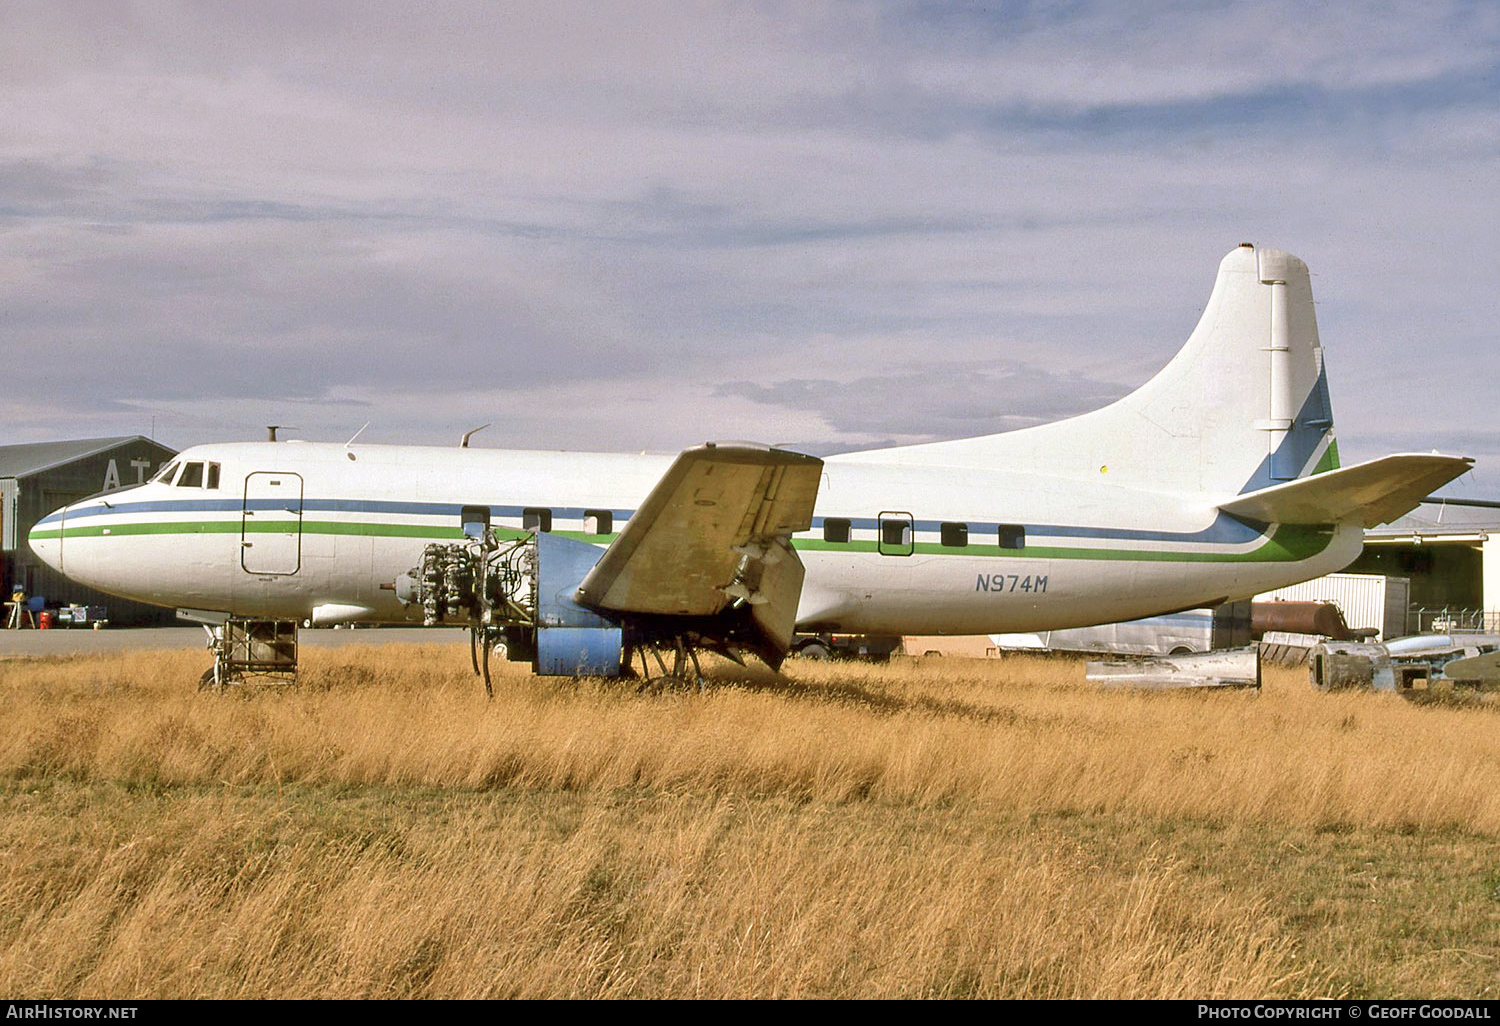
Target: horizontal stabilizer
1376,492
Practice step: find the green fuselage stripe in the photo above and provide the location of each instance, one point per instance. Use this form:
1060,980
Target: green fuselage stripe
1289,543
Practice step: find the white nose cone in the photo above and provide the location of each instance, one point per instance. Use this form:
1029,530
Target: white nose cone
90,543
45,540
84,560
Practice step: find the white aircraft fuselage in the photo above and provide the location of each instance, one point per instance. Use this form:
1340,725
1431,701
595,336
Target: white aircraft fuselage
349,519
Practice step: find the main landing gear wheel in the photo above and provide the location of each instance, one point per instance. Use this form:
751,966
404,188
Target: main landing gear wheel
685,674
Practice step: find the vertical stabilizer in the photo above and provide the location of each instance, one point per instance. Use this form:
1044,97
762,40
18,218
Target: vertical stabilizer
1243,405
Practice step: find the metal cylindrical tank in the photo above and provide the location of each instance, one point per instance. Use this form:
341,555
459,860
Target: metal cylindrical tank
1304,618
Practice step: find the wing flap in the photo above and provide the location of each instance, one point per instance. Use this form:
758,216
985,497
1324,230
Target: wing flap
714,531
1377,491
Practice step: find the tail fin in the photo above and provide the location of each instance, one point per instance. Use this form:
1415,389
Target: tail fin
1244,405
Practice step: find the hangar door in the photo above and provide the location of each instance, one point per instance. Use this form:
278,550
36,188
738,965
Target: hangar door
271,529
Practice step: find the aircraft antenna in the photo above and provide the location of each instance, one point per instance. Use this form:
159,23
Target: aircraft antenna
271,430
356,435
464,444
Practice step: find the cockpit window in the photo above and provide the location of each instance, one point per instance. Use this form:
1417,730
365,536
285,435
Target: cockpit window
199,475
164,475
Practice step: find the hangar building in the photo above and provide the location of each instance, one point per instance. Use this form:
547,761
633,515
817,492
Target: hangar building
39,477
1451,552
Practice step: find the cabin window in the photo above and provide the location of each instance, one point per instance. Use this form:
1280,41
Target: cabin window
535,519
192,476
164,475
895,532
1012,536
836,530
212,476
475,520
598,521
955,535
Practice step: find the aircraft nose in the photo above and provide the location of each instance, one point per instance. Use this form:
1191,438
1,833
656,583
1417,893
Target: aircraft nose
45,539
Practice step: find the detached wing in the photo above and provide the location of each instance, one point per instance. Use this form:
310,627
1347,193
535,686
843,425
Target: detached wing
714,532
1377,491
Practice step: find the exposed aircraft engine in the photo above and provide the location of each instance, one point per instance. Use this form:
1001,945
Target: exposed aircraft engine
484,582
517,595
447,574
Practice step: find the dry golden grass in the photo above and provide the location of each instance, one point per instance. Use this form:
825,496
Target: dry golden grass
935,828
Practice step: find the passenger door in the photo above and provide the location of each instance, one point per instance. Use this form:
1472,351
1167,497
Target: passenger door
897,534
271,528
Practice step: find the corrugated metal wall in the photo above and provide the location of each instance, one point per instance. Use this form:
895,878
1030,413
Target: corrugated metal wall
7,514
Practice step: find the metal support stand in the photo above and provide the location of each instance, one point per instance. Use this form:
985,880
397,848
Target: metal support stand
244,650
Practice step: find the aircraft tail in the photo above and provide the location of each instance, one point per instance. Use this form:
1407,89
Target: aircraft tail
1243,406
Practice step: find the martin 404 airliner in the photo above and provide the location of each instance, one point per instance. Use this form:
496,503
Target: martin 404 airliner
1216,480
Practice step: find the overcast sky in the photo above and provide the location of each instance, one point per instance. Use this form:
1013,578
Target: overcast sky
641,226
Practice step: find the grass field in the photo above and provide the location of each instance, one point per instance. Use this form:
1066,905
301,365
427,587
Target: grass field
943,828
